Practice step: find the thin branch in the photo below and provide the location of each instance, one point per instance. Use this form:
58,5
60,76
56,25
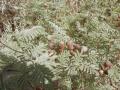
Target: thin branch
10,47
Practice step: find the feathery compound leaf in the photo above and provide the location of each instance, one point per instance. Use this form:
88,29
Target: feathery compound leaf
30,34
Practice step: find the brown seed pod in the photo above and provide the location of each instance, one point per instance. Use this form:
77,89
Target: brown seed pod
61,46
72,52
70,45
76,47
103,70
107,65
39,87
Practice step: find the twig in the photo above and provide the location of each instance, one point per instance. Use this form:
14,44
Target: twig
10,47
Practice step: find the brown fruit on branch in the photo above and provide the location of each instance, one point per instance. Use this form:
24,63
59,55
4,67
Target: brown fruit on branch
105,67
72,52
40,87
76,47
103,72
108,65
70,45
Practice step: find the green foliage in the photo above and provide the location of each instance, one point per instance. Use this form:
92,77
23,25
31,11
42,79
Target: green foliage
18,75
25,60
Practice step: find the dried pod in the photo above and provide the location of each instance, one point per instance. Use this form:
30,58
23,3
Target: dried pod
70,45
72,52
77,47
103,70
108,65
39,88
